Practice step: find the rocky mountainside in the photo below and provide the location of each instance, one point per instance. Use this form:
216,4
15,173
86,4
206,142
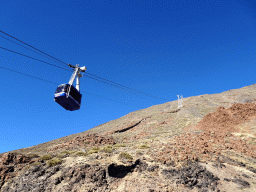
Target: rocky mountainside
207,145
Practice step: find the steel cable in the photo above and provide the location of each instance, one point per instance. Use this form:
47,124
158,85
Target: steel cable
32,47
110,82
29,49
58,84
114,85
33,58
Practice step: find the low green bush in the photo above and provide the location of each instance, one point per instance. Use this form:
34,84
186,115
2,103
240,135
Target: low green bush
46,157
144,146
61,155
125,155
107,149
118,145
33,155
53,162
94,150
80,153
68,152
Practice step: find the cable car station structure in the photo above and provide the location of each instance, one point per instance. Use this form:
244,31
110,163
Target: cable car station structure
68,96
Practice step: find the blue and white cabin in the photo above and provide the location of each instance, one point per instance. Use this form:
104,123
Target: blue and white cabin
68,97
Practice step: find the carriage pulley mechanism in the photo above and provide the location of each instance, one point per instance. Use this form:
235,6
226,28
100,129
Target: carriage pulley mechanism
68,96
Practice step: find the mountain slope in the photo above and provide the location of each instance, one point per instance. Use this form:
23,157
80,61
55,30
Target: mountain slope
208,144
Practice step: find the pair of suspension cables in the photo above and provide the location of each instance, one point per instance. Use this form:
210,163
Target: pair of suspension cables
64,66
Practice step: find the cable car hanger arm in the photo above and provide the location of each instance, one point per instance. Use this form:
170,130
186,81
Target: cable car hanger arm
76,73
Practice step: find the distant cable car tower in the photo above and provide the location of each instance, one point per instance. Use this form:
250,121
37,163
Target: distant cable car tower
180,97
68,96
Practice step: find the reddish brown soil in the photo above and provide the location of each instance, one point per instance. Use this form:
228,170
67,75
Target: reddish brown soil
225,120
89,140
216,137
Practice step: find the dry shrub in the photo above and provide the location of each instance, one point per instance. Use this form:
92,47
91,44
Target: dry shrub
107,149
68,152
80,153
54,162
125,155
46,157
94,150
118,145
144,146
33,155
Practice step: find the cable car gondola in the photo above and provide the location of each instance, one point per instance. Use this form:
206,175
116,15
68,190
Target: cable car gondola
68,96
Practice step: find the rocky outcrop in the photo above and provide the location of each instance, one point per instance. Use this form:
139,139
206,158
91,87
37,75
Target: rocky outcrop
9,158
193,176
42,178
10,165
84,177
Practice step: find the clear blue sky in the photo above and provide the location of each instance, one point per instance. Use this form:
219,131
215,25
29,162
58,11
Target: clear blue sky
163,48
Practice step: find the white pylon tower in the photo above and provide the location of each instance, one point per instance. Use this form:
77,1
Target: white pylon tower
180,97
